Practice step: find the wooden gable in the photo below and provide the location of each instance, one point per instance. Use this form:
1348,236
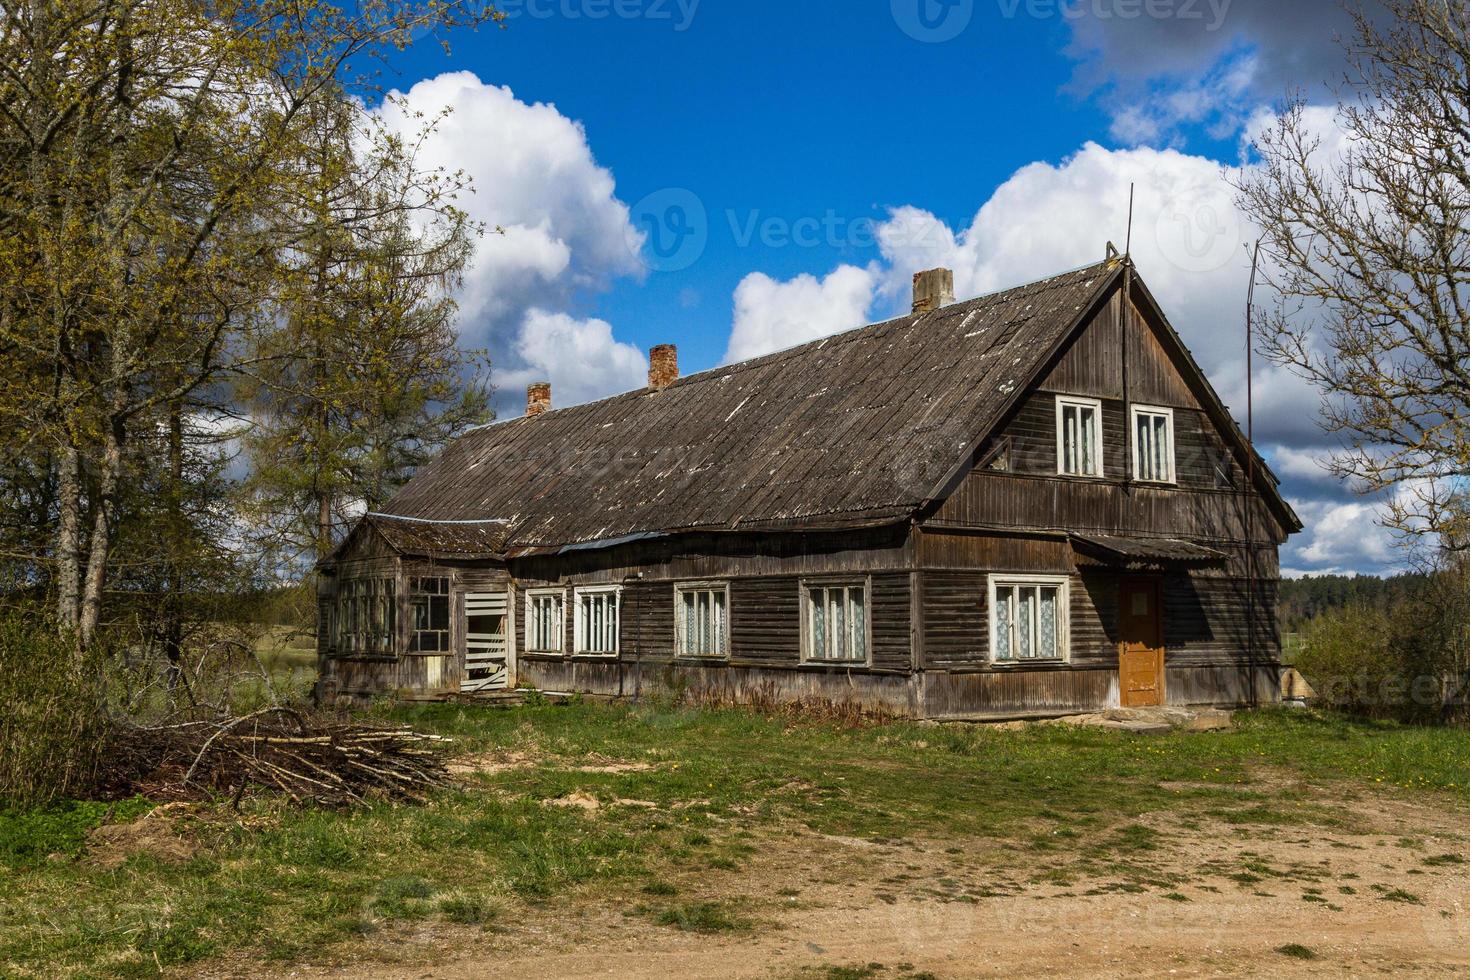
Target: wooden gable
1000,488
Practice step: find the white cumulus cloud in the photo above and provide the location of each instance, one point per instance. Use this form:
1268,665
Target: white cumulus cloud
581,359
772,315
565,232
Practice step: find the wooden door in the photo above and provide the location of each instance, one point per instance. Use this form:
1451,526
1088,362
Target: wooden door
1141,643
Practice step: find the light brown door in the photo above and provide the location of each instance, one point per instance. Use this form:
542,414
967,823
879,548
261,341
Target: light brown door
1141,643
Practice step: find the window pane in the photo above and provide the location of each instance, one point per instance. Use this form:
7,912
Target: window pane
1163,465
1047,644
610,623
1003,616
1142,434
1069,439
1089,449
1025,622
721,625
859,624
687,620
817,610
706,641
839,624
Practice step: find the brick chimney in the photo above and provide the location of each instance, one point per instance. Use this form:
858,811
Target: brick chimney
663,366
538,398
933,289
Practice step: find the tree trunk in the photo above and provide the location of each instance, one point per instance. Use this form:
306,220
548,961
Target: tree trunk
68,540
323,524
173,607
103,520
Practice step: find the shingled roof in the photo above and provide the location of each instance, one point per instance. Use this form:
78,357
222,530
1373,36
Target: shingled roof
858,429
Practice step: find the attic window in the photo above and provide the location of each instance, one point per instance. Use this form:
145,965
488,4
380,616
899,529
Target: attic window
999,457
1153,444
1079,436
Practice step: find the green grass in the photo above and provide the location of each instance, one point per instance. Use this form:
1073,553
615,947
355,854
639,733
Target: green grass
1297,951
704,917
293,885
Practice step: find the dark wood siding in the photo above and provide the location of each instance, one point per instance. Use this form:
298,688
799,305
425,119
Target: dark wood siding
1013,501
954,619
765,621
889,613
1093,364
1201,460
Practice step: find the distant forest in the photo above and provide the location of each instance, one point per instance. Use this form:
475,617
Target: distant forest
1304,599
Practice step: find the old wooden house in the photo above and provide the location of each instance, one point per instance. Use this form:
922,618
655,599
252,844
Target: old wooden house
1028,503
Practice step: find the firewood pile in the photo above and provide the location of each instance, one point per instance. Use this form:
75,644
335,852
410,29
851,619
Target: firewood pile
310,760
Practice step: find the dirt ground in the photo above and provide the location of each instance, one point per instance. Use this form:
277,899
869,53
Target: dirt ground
1389,897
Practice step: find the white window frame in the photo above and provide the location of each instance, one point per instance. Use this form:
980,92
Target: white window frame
1079,401
1168,416
561,625
680,588
866,584
579,619
1063,585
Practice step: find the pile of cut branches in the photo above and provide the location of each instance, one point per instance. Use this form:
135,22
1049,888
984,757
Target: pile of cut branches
310,760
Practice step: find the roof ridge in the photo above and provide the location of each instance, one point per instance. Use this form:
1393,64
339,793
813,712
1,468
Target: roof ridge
721,370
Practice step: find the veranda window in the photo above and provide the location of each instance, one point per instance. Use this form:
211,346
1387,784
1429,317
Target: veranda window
836,623
366,616
703,623
428,606
1028,618
597,621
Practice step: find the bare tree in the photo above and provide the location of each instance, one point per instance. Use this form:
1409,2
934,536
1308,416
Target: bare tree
1369,231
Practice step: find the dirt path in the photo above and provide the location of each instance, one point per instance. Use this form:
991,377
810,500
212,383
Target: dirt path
1390,895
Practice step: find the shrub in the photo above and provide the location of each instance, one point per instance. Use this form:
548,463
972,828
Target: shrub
1346,658
1408,661
52,725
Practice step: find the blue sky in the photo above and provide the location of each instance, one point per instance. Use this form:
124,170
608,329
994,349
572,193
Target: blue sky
807,156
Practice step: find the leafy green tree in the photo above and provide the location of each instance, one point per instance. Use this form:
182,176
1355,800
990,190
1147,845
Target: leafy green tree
151,159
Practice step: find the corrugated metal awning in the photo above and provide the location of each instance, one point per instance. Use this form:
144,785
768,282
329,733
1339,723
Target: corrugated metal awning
1111,549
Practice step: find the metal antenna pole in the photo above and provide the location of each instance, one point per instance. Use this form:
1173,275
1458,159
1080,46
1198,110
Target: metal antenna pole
1125,319
1250,469
1128,239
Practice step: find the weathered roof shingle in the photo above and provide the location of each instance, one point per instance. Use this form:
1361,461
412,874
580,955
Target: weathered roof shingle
857,428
